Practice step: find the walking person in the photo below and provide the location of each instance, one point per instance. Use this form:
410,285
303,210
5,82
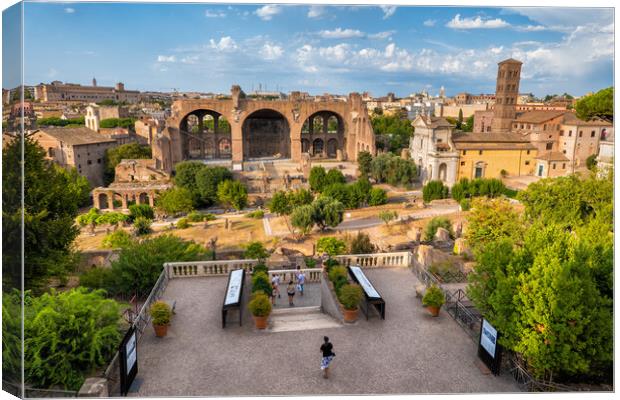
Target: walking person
301,280
290,290
328,355
275,281
274,291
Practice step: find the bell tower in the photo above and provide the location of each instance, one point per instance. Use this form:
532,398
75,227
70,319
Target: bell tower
506,93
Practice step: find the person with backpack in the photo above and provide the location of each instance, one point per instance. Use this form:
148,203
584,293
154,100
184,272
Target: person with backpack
327,349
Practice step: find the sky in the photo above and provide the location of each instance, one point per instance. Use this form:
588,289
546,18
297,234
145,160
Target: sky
318,49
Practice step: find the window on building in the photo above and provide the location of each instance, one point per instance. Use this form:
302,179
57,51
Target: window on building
527,163
521,126
528,152
99,161
488,129
544,127
516,125
89,162
78,155
580,133
563,165
464,152
570,133
564,151
479,152
593,133
553,165
462,163
549,146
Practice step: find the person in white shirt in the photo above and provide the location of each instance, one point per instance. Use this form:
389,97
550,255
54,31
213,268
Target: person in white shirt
275,282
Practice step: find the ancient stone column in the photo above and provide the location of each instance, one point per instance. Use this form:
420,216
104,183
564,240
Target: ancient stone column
236,141
111,200
124,201
96,200
152,199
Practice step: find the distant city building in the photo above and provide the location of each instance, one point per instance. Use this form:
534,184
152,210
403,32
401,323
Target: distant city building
96,113
58,91
76,147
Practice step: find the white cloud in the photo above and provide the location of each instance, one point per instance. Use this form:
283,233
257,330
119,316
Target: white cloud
69,10
340,33
476,23
214,14
531,28
267,12
193,59
381,35
388,11
429,22
225,44
271,51
316,11
169,59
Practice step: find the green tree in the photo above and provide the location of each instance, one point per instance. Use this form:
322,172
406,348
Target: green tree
491,220
434,190
361,244
364,160
378,197
434,224
117,239
300,197
255,251
280,203
67,336
468,126
232,194
397,128
207,180
591,162
77,184
327,212
331,245
337,191
118,123
334,176
317,178
460,119
387,216
114,155
599,105
51,200
302,218
141,210
142,225
175,201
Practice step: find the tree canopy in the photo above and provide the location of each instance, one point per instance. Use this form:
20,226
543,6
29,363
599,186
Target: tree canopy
114,155
600,104
396,128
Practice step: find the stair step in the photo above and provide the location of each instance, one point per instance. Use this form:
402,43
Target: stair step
302,322
296,310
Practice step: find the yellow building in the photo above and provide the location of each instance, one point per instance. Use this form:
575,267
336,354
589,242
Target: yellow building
487,155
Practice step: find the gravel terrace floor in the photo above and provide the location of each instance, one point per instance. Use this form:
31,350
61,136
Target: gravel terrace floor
409,352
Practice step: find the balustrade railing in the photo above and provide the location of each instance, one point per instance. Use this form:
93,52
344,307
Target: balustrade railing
395,259
313,275
186,269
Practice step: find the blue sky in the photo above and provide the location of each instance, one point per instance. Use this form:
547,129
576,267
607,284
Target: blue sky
336,49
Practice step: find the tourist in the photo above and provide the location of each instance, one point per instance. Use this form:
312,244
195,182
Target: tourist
274,291
301,279
275,281
328,356
290,290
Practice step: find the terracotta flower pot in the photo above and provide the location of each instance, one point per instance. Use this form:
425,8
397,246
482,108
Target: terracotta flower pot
260,322
350,315
160,330
433,310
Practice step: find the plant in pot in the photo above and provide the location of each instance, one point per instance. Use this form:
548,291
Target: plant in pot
350,296
260,307
160,315
433,300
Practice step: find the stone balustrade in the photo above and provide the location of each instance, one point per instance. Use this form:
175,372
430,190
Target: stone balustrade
188,269
378,260
313,275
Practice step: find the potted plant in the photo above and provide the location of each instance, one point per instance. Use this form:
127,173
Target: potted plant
260,307
160,314
433,300
350,296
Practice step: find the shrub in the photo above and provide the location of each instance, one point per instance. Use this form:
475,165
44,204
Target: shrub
317,178
140,210
434,190
209,217
117,239
437,222
257,214
67,336
232,194
433,297
177,200
465,204
334,176
591,162
350,296
387,216
260,282
331,245
183,223
142,225
330,263
310,262
160,313
260,268
337,191
378,197
303,218
361,244
336,272
510,193
503,173
327,212
255,251
460,190
364,161
96,278
359,193
196,216
260,306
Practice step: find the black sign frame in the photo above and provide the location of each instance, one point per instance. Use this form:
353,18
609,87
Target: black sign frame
493,362
237,305
127,377
377,302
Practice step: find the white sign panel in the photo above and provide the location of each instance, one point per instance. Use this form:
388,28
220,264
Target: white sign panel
364,282
488,338
130,350
234,287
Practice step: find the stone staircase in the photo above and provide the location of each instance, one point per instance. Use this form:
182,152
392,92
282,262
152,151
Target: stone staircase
300,319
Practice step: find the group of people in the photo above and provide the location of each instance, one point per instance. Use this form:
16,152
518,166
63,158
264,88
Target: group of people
291,287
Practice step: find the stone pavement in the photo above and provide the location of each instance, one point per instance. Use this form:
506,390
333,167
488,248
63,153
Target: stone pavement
311,297
408,352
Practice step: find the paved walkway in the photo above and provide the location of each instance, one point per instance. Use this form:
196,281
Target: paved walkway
408,352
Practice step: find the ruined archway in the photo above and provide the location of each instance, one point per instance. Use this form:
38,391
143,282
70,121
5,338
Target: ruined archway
103,201
202,130
325,131
443,172
266,134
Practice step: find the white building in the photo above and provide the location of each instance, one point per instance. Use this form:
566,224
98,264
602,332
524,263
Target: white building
433,151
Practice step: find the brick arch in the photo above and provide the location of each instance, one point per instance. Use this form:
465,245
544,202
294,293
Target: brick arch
266,132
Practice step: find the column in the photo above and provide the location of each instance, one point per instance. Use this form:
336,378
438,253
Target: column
137,197
325,119
96,200
236,142
124,200
111,200
152,199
